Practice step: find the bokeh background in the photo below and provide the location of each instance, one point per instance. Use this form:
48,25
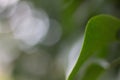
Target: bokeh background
39,39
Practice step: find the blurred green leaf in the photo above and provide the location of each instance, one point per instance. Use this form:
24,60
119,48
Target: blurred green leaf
71,8
67,1
101,31
93,72
68,9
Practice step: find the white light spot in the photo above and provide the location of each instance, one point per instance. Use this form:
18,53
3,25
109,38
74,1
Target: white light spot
30,31
28,26
5,3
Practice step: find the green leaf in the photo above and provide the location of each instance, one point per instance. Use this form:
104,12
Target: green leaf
101,31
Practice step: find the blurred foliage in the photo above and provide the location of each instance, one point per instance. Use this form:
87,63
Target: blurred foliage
62,24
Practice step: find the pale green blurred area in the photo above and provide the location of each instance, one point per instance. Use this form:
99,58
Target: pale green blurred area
40,38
